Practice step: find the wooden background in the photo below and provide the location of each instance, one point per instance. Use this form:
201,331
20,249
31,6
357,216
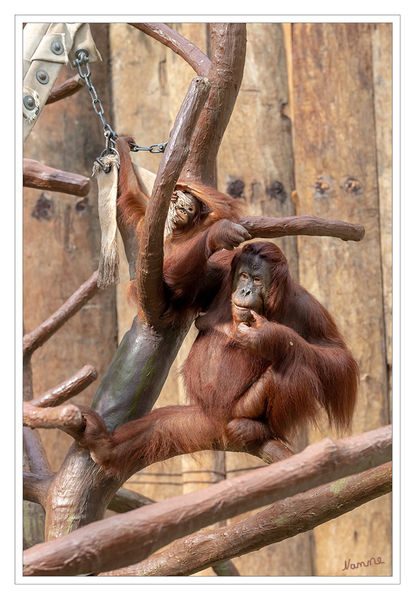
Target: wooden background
310,134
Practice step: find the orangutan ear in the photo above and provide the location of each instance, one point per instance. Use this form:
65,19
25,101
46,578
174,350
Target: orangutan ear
204,209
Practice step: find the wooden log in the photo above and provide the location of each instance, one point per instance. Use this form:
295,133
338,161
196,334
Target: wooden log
336,176
283,519
129,538
40,176
382,83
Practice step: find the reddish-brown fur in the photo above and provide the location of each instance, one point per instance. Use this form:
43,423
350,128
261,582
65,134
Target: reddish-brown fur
246,384
213,207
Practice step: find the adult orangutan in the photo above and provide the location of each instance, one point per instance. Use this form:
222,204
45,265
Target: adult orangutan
267,357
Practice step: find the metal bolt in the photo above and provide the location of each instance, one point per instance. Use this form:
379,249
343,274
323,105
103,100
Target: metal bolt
29,102
56,47
42,76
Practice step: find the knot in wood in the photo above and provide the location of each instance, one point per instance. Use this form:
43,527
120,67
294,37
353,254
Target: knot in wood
352,185
321,185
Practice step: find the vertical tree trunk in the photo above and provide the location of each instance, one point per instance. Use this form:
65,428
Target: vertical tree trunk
80,491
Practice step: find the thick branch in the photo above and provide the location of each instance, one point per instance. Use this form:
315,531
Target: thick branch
268,226
66,89
42,333
40,176
283,519
228,45
161,32
128,538
150,258
35,487
67,418
69,388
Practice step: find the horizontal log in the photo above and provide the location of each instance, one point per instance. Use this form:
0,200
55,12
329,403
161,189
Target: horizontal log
129,538
66,418
280,521
268,226
40,176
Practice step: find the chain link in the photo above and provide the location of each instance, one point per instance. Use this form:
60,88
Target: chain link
82,61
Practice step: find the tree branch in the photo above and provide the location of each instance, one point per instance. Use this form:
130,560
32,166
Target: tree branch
268,226
42,333
67,389
161,32
128,538
66,418
66,89
40,176
282,520
228,46
35,487
150,257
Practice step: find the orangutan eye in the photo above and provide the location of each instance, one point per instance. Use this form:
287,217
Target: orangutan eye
257,280
243,276
191,209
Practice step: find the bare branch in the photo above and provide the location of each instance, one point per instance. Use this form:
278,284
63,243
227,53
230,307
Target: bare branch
150,258
268,226
66,89
67,418
161,32
42,333
126,500
283,519
40,176
69,388
35,487
139,533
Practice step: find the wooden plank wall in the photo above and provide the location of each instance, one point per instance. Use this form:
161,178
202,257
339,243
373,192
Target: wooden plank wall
310,133
61,246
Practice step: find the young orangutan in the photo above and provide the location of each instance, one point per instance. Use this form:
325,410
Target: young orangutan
267,357
194,209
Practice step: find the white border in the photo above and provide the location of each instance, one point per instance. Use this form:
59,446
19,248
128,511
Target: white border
245,581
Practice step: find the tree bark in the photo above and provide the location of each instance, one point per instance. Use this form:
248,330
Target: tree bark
128,538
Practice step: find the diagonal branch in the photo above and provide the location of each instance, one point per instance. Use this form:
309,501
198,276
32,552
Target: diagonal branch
129,538
150,258
66,89
282,520
43,332
268,226
161,32
69,388
40,176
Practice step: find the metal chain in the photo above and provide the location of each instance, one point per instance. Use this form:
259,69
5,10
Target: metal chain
109,133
